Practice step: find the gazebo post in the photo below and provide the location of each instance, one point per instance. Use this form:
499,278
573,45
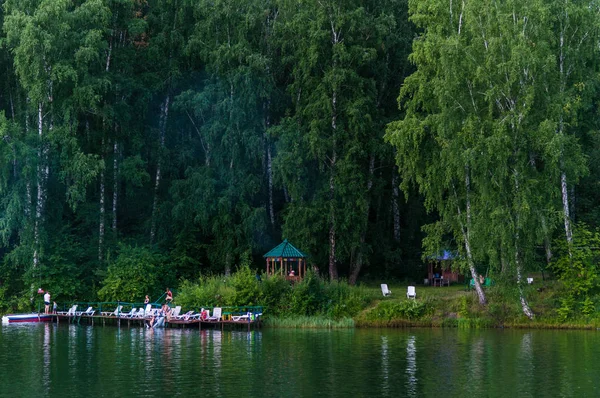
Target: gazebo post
287,258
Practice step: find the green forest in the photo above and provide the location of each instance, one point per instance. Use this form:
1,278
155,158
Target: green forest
147,143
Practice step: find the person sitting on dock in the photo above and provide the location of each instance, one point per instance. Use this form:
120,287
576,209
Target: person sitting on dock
47,302
166,311
169,294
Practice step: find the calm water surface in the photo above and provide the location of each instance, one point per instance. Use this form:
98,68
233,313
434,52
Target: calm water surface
83,361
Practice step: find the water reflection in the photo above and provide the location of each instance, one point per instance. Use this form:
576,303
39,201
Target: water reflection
477,367
385,366
77,360
526,365
411,366
46,359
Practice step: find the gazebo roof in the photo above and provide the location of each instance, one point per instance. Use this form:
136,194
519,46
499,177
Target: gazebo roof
285,249
443,255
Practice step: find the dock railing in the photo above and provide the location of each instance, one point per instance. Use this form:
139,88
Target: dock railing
110,306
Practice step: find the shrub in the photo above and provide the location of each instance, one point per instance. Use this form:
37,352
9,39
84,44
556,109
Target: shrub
576,267
588,307
245,286
307,296
207,292
407,309
132,275
275,293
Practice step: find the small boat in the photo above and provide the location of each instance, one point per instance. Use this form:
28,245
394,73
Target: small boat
32,317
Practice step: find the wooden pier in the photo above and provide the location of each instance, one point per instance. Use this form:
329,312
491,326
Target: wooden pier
143,321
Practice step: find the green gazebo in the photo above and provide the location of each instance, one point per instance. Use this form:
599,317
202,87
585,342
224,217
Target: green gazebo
284,258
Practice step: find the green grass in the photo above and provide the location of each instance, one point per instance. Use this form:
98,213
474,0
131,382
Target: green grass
308,322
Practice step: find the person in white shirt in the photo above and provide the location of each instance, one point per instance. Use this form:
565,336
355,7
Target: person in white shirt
47,302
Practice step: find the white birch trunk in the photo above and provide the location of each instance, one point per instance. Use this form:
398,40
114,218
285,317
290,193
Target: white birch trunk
39,208
333,274
102,208
563,175
162,132
524,304
28,197
115,186
467,241
565,203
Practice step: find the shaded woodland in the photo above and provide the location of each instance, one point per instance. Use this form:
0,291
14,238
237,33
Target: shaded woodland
161,140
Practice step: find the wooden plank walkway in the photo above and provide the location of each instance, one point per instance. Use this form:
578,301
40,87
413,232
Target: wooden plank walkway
170,323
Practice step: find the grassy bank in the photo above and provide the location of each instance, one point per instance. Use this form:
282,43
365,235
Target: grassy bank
316,303
457,307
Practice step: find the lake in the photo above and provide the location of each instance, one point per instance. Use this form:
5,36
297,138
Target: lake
49,360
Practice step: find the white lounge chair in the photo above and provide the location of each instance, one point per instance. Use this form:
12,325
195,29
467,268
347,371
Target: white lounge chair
216,316
116,312
145,312
384,289
71,311
185,316
129,314
175,312
238,318
411,292
89,312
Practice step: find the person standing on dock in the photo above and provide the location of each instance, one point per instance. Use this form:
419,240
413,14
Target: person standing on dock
47,302
146,300
169,297
54,308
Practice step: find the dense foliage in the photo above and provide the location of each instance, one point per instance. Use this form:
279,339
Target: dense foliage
144,143
172,138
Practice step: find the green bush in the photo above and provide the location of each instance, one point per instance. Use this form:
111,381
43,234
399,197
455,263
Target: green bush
407,309
588,307
576,267
212,291
133,274
343,300
307,296
275,293
245,286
